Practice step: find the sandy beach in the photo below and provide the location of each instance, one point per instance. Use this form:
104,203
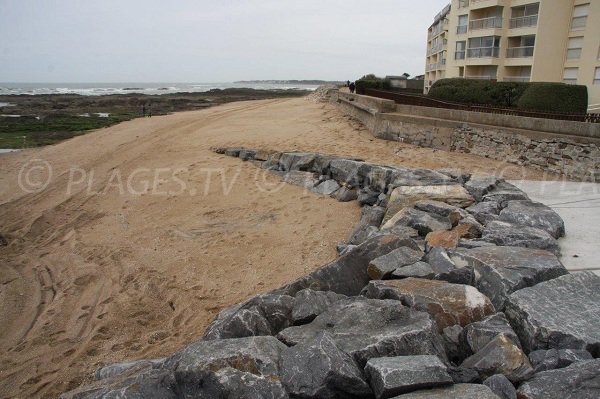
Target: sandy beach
142,234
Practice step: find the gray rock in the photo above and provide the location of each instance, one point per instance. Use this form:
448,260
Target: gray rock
343,249
504,270
301,179
462,375
372,215
362,233
485,212
377,177
421,221
578,381
265,314
505,192
382,267
501,386
544,360
327,187
470,244
348,274
436,207
366,196
156,383
233,152
247,155
321,164
533,214
419,177
445,269
500,356
368,328
460,175
119,368
309,304
476,336
418,269
506,234
390,376
368,226
458,391
460,217
451,340
345,171
449,304
272,161
228,382
382,200
319,369
346,194
478,186
301,161
563,313
257,355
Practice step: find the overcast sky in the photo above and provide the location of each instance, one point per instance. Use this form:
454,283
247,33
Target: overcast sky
211,40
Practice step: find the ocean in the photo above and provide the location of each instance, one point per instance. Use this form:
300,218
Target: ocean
97,89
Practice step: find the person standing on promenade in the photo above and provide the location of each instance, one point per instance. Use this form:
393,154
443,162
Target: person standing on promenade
352,86
149,110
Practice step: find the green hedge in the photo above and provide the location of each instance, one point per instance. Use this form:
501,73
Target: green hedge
554,97
542,97
371,82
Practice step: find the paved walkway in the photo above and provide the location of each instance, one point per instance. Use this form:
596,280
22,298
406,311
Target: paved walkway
579,206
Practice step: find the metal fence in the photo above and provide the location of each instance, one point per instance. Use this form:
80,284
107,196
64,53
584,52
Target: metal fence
424,101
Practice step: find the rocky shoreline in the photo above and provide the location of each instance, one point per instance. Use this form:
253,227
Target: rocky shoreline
449,286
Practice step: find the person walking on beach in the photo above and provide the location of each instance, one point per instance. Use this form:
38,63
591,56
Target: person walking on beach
143,109
352,86
149,110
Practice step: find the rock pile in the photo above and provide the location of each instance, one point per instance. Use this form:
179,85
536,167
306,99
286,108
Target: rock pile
321,94
449,286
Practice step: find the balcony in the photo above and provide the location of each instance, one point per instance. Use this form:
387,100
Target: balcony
459,55
486,23
460,29
523,22
519,52
483,52
524,79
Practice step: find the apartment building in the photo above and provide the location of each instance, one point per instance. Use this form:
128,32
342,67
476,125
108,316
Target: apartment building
517,40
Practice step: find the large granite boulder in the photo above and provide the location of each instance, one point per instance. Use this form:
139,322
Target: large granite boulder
533,214
326,187
503,270
485,212
500,356
300,161
348,274
382,267
345,171
376,177
406,196
563,313
302,179
390,376
371,216
458,391
505,192
265,314
550,359
309,304
510,235
449,304
420,177
319,369
447,270
421,221
418,270
501,386
578,381
436,207
368,328
476,336
112,370
478,186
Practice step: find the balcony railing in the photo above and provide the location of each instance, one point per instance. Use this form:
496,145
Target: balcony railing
459,55
519,52
461,29
480,77
517,78
523,22
486,23
482,52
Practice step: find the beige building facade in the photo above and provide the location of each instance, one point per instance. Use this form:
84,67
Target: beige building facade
517,40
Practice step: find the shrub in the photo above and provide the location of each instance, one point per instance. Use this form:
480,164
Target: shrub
371,82
554,97
467,91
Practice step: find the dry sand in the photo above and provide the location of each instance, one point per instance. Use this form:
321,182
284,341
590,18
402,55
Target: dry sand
96,275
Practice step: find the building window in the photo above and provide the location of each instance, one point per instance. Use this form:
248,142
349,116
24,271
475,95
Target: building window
463,3
463,22
580,14
570,75
597,77
574,48
487,46
460,50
